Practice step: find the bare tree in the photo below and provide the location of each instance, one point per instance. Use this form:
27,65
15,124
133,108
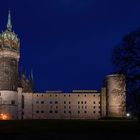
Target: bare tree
126,59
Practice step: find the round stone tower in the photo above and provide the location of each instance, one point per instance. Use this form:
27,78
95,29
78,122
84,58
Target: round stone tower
9,57
115,87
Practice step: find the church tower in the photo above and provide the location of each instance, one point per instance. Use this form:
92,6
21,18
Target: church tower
9,57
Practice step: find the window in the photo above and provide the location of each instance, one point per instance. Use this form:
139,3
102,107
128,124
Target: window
85,107
78,95
78,102
42,111
69,112
69,107
64,102
42,102
56,111
37,95
85,112
50,95
69,95
37,111
64,95
85,95
82,102
55,95
42,95
50,102
85,102
12,102
50,111
64,111
94,112
56,102
65,107
37,102
94,102
56,106
79,107
69,102
78,112
94,107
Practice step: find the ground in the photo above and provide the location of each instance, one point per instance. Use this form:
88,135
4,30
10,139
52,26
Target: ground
70,129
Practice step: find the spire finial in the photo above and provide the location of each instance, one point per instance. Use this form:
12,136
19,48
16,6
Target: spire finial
9,25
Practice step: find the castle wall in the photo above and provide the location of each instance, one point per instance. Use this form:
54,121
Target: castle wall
62,106
66,106
8,73
103,102
116,98
8,104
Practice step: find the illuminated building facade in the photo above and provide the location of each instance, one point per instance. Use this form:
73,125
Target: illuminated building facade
18,101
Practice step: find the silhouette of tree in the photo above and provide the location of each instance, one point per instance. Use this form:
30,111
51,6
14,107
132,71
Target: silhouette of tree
126,59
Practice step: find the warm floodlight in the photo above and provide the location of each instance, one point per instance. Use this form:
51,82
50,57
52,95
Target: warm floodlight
3,116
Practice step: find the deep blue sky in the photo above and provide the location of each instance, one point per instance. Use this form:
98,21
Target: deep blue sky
68,43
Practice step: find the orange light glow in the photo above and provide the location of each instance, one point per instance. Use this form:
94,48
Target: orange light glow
3,117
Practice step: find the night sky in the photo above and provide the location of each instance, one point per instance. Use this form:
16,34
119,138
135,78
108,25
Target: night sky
68,43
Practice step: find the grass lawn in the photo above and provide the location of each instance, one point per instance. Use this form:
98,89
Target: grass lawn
69,129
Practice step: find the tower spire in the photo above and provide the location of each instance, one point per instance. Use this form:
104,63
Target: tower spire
9,24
